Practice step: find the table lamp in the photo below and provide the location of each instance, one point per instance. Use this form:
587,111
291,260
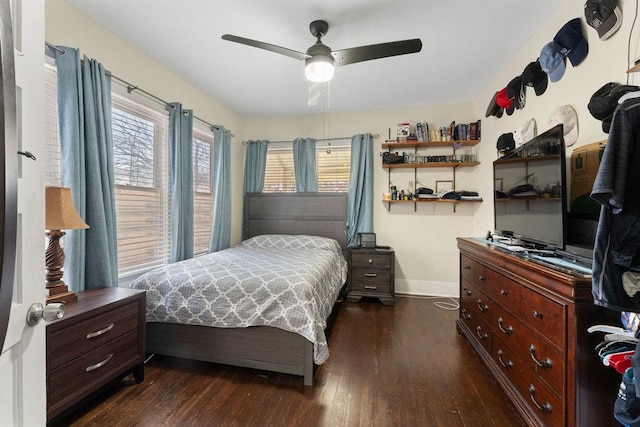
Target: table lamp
61,215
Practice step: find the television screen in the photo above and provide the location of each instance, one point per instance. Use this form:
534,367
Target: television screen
530,192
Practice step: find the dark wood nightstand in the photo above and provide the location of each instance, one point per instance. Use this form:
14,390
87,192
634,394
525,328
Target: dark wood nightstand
100,338
372,274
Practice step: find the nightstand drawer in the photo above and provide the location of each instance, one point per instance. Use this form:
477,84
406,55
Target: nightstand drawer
78,339
371,260
370,276
83,375
373,286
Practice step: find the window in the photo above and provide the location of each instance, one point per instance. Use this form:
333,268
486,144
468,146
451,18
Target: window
332,162
202,189
141,168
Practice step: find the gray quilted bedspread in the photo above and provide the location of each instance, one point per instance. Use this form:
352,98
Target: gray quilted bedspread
288,282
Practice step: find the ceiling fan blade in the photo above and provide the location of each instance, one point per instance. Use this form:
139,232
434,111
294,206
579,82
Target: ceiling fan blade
376,51
266,46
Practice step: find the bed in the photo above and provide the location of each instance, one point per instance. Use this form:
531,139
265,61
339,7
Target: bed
286,333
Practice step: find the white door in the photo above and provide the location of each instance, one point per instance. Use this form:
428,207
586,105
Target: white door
22,361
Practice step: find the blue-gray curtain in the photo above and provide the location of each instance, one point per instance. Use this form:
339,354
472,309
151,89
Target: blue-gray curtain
360,195
221,222
255,165
86,156
181,152
304,164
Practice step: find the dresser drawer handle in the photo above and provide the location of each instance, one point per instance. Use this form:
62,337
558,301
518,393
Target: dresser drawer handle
371,288
503,292
467,292
370,261
99,364
544,408
537,314
481,278
465,314
466,267
548,363
481,335
100,332
508,364
370,274
508,330
483,308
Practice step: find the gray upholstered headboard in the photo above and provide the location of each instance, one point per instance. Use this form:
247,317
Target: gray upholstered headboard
318,214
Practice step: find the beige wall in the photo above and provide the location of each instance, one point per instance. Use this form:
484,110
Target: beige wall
67,26
424,241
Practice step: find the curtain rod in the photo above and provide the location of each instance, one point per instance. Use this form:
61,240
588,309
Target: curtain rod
337,138
132,87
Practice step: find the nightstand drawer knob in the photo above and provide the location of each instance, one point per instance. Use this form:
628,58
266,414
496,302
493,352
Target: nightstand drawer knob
37,312
370,261
100,332
99,364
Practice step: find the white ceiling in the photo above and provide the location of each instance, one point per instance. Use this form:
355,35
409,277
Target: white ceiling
465,43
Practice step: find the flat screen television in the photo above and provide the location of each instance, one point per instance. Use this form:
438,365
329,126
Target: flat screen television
530,202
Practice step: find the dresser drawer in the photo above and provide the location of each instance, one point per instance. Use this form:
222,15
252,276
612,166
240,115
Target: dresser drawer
369,275
507,295
488,280
545,316
546,404
479,328
85,374
382,261
537,356
466,267
477,301
371,286
69,343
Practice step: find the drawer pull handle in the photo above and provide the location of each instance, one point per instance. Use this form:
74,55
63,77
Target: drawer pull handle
99,364
370,274
544,408
465,314
508,330
483,308
372,288
481,278
370,261
466,267
537,314
503,292
548,363
508,364
467,292
481,335
100,332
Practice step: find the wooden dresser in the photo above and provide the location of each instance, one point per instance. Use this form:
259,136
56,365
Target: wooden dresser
100,337
371,274
528,323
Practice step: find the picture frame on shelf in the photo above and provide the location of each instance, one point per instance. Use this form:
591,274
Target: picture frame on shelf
403,130
444,185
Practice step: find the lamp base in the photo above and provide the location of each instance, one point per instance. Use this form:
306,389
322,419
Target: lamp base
60,293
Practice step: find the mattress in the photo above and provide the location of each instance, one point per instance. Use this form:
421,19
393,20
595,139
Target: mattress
289,282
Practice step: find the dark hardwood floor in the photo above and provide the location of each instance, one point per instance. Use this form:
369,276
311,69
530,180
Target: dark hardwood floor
401,366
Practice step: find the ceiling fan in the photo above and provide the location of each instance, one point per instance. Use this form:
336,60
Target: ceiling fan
320,60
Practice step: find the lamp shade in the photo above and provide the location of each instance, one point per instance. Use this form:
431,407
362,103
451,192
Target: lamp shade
319,68
61,212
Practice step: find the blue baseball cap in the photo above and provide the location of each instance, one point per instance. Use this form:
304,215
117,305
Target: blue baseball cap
570,42
552,62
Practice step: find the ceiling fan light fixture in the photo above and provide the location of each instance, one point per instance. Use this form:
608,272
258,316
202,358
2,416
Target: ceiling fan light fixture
319,68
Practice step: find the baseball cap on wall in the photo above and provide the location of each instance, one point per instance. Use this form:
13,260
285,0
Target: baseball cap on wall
565,115
494,109
570,42
552,62
534,76
502,100
505,143
603,15
516,92
525,132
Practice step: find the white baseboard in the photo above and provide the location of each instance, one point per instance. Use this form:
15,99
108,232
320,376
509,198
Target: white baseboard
427,288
